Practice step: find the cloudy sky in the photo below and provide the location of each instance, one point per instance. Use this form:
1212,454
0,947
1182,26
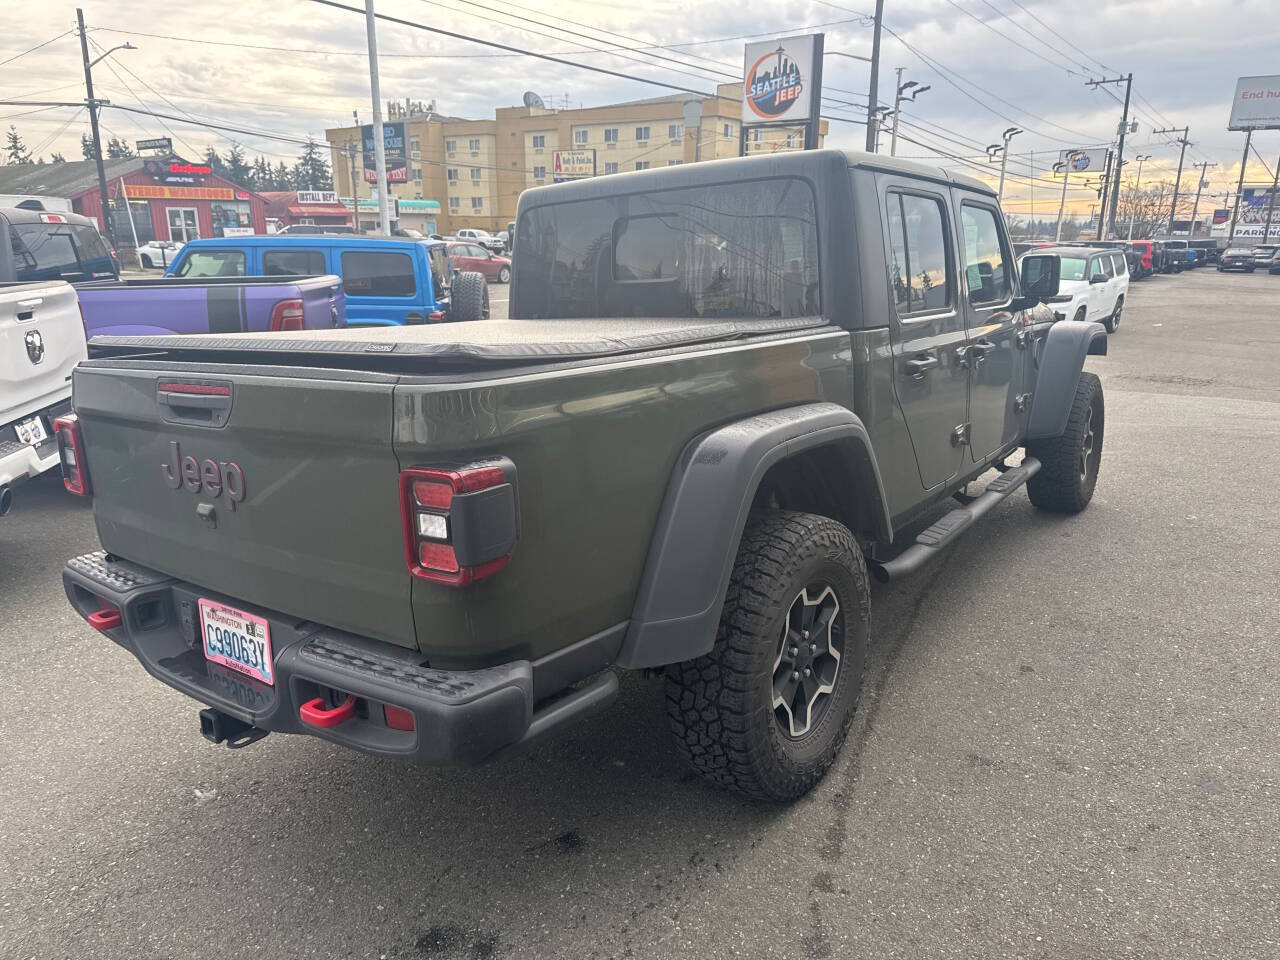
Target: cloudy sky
294,67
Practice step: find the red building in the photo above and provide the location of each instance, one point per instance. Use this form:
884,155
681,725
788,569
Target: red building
319,207
168,198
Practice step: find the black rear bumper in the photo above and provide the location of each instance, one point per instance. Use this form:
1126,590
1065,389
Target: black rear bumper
460,716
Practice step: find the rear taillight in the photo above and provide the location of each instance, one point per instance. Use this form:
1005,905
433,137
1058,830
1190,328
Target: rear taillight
75,475
287,315
460,524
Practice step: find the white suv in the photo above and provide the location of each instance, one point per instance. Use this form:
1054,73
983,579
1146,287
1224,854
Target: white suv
484,238
1095,284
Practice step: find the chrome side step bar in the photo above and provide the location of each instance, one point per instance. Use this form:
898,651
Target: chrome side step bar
931,542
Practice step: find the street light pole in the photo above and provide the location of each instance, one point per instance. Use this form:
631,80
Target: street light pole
898,100
93,126
873,88
379,146
1133,213
1009,134
1195,208
1065,165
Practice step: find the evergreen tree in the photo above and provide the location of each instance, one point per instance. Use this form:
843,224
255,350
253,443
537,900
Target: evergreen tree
15,150
214,162
262,178
118,149
56,157
281,179
86,147
311,172
237,167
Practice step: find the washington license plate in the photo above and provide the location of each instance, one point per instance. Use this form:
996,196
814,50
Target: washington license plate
238,640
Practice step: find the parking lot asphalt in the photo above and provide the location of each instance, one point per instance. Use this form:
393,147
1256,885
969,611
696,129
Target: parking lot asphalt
1066,747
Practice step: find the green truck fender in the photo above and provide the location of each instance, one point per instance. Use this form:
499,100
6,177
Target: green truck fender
1059,365
704,512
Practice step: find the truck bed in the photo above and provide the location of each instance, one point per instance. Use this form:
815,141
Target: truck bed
488,343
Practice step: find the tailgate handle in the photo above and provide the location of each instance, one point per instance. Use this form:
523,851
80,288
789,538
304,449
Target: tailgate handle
202,403
27,309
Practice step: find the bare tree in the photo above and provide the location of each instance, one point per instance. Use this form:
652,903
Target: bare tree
1148,208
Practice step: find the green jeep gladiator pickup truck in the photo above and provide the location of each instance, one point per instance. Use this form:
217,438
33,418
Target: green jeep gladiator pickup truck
725,392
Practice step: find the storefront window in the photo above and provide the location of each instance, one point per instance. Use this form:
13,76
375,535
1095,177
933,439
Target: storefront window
230,213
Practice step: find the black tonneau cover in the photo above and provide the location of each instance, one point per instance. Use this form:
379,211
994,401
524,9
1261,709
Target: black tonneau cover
484,342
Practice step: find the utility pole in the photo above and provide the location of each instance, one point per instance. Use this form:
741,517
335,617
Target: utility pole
1103,190
1195,208
93,126
379,147
1173,207
1003,150
1124,128
1065,166
873,88
1271,202
1244,162
1133,213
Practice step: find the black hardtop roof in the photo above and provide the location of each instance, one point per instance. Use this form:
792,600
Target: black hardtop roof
1068,251
814,164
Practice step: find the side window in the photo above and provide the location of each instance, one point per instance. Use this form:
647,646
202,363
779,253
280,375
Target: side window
1105,264
927,252
1121,264
899,269
293,263
1095,268
986,266
369,273
213,263
475,250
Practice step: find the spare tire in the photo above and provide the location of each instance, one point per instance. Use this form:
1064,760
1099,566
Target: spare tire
470,298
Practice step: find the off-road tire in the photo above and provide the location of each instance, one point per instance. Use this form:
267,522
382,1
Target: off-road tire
504,275
1059,486
1112,323
1081,315
470,298
720,706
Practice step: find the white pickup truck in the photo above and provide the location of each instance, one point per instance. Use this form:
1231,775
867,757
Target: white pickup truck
41,340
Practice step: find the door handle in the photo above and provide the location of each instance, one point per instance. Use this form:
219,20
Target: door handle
980,349
916,368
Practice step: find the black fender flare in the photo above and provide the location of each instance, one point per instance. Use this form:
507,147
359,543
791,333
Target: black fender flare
704,513
1060,362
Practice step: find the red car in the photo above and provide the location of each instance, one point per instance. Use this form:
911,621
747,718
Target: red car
466,255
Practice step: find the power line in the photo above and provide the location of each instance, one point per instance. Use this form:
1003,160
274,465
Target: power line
1087,56
210,126
115,73
1038,39
1016,43
35,48
505,46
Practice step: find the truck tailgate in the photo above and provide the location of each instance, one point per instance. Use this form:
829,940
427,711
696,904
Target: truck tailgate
41,340
284,495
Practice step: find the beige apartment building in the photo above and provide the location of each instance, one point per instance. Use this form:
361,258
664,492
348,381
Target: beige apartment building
476,169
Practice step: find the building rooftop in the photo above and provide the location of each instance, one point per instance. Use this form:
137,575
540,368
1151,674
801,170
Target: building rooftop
61,179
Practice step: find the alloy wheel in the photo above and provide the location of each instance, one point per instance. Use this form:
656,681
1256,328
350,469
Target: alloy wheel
807,665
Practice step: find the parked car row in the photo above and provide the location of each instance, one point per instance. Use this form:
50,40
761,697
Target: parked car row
1264,256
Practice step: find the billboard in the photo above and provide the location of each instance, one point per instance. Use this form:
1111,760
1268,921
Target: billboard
782,77
1085,161
572,165
393,145
1251,222
1256,104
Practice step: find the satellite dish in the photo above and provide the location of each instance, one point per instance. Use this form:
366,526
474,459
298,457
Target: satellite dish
531,99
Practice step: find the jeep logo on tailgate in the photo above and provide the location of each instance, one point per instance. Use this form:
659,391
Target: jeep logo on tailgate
210,477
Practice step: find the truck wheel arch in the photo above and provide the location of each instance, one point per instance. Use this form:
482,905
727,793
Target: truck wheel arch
712,489
1059,364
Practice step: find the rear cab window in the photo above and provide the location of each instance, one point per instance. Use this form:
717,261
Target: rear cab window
742,250
378,273
293,263
986,259
212,262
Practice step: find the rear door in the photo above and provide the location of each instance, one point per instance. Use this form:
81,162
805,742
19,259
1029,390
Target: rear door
1099,267
991,354
383,285
41,340
929,334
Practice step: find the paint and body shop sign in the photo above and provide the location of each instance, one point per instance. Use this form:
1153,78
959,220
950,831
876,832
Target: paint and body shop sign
393,145
780,80
177,172
572,165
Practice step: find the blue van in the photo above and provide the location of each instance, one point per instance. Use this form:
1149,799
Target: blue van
388,281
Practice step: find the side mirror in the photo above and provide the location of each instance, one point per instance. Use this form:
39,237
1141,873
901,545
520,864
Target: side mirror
1099,278
1041,275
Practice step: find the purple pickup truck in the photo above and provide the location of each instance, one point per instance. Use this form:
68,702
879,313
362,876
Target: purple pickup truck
168,305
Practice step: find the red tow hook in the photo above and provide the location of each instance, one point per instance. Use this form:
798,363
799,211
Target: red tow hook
108,618
314,714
